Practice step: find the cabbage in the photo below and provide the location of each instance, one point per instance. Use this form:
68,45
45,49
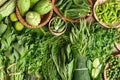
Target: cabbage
33,18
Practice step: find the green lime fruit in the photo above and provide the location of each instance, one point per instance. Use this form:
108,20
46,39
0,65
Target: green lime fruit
19,26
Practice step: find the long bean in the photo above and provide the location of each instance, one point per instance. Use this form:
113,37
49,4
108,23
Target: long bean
67,8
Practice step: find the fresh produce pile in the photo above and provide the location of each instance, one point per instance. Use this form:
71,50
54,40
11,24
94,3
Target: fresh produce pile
114,68
60,50
109,12
74,9
33,10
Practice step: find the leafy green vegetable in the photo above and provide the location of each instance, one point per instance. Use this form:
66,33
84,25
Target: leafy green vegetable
3,27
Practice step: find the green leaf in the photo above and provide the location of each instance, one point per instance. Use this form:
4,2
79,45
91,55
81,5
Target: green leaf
70,70
95,73
1,17
96,63
89,65
3,28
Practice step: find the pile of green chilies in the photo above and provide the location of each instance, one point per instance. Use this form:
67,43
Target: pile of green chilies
109,12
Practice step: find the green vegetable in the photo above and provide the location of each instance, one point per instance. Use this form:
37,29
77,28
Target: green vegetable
57,26
96,63
13,17
81,71
33,2
43,7
23,6
79,45
33,18
19,26
113,71
3,28
95,73
74,9
108,12
59,2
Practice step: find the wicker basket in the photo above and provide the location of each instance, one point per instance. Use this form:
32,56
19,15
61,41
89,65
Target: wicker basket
45,19
117,46
68,18
106,67
98,2
55,33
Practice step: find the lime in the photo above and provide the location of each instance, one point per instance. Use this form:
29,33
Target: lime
19,26
13,17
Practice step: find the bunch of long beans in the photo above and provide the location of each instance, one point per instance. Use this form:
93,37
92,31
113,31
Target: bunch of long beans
74,8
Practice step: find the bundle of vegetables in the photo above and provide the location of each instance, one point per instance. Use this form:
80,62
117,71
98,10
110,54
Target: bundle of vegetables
112,72
62,58
13,49
101,46
108,12
33,10
79,38
12,52
74,9
93,42
57,26
7,7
